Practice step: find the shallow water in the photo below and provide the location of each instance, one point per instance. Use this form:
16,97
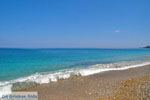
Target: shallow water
16,63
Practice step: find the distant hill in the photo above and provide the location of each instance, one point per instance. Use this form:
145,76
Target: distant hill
146,47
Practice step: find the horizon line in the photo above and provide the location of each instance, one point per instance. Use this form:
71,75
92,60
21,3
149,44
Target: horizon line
66,48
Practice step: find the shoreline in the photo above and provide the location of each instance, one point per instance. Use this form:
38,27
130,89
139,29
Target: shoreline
88,87
24,83
47,77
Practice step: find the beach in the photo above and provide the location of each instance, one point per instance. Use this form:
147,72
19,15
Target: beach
74,50
74,74
129,84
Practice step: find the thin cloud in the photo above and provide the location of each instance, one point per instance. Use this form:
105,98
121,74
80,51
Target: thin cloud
117,31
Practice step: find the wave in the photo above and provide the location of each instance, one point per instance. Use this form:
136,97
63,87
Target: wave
47,77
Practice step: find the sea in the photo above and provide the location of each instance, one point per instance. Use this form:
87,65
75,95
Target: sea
22,68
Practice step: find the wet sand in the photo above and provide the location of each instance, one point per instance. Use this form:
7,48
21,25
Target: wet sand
111,85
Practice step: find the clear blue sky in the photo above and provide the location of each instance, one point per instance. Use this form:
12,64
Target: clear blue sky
74,23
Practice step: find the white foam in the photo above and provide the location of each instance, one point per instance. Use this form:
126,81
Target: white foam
5,87
5,90
86,72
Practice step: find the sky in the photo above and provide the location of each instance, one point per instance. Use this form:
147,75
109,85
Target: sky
74,23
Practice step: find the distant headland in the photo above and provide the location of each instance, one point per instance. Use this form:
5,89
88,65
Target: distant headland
146,47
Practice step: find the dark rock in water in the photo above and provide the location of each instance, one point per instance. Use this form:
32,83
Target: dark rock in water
146,47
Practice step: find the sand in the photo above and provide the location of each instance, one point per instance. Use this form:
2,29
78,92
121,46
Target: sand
111,85
131,89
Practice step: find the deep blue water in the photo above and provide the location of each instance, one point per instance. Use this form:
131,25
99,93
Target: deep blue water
15,63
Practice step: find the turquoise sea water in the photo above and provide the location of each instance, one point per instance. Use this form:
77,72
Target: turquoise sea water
16,63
